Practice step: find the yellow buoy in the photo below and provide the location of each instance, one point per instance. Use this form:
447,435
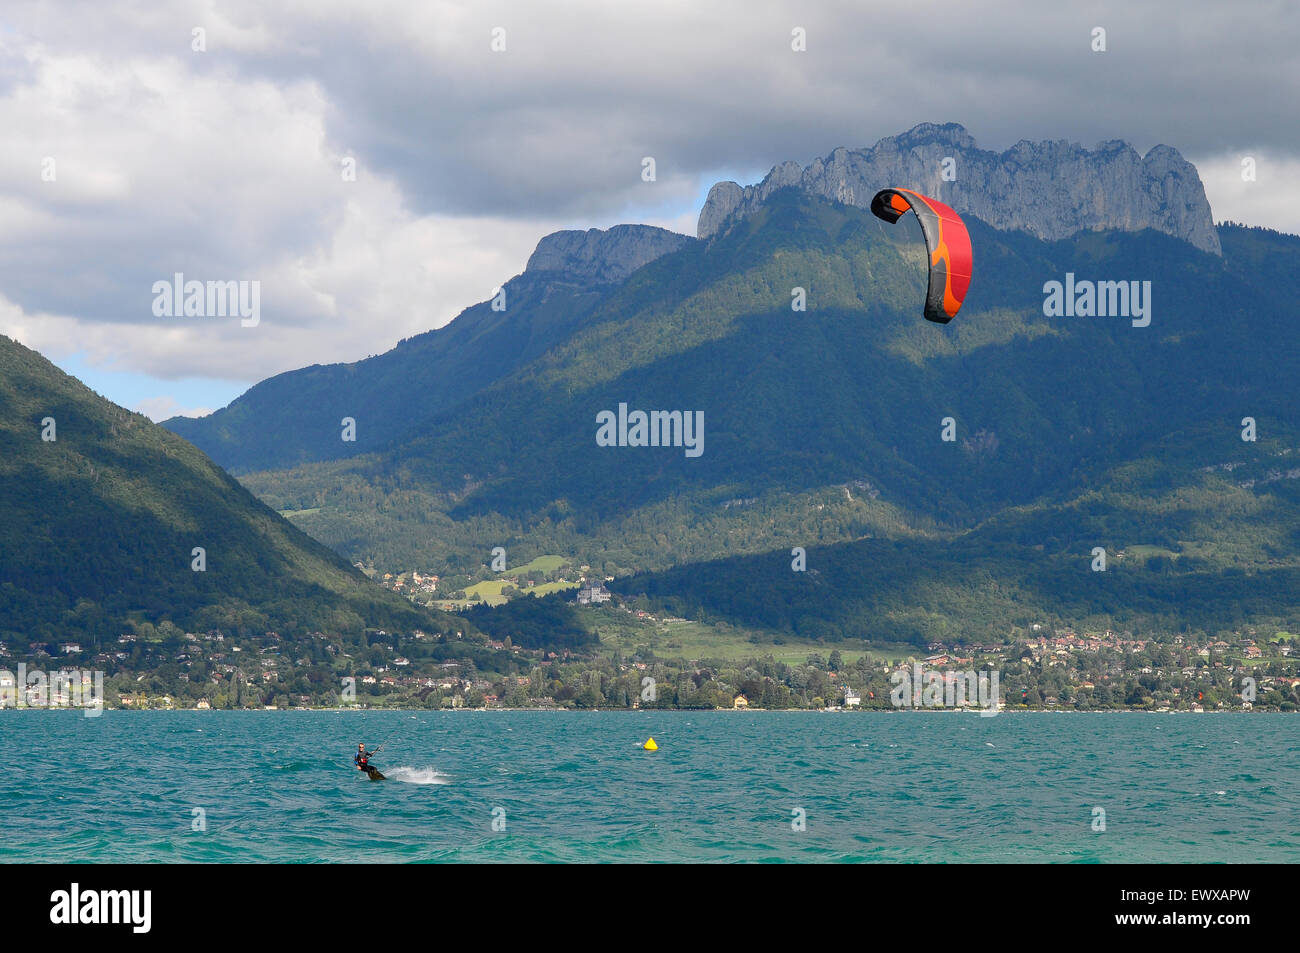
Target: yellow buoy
650,745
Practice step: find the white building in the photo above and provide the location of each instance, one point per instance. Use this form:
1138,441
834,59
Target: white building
591,595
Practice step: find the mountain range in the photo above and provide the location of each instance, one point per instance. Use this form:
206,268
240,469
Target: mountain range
945,481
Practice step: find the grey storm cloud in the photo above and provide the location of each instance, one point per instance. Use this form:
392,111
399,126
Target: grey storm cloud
559,121
225,163
557,124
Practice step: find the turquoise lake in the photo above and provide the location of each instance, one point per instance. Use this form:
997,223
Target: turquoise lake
723,787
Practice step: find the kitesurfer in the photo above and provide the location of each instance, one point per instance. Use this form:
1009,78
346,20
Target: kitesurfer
362,760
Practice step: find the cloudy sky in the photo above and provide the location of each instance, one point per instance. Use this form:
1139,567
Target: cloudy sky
136,147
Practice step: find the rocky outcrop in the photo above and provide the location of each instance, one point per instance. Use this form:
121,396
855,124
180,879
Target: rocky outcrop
1049,189
604,255
724,198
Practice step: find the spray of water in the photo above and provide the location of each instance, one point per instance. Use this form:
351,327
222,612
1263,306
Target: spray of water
415,775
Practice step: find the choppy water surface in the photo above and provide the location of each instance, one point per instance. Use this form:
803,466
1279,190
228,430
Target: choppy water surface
723,786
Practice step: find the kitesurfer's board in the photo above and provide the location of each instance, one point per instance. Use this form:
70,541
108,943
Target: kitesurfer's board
375,775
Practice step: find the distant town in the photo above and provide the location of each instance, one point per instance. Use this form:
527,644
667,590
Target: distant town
164,668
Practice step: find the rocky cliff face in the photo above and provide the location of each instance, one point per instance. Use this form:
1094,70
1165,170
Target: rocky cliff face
604,255
1050,189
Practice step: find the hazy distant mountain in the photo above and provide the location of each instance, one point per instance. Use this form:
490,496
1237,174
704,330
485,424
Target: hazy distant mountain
296,417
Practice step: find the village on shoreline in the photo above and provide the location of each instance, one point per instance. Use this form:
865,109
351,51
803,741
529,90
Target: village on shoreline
162,669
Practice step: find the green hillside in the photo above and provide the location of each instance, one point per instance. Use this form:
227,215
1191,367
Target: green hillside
98,528
1204,558
824,427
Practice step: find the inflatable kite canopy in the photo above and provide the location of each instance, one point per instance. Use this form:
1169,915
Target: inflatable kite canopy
948,243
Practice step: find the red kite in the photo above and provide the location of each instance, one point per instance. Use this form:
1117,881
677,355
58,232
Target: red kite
946,239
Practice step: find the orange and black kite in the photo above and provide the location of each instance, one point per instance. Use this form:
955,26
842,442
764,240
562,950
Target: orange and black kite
948,243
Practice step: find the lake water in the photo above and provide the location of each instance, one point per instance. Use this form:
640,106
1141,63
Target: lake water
723,786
